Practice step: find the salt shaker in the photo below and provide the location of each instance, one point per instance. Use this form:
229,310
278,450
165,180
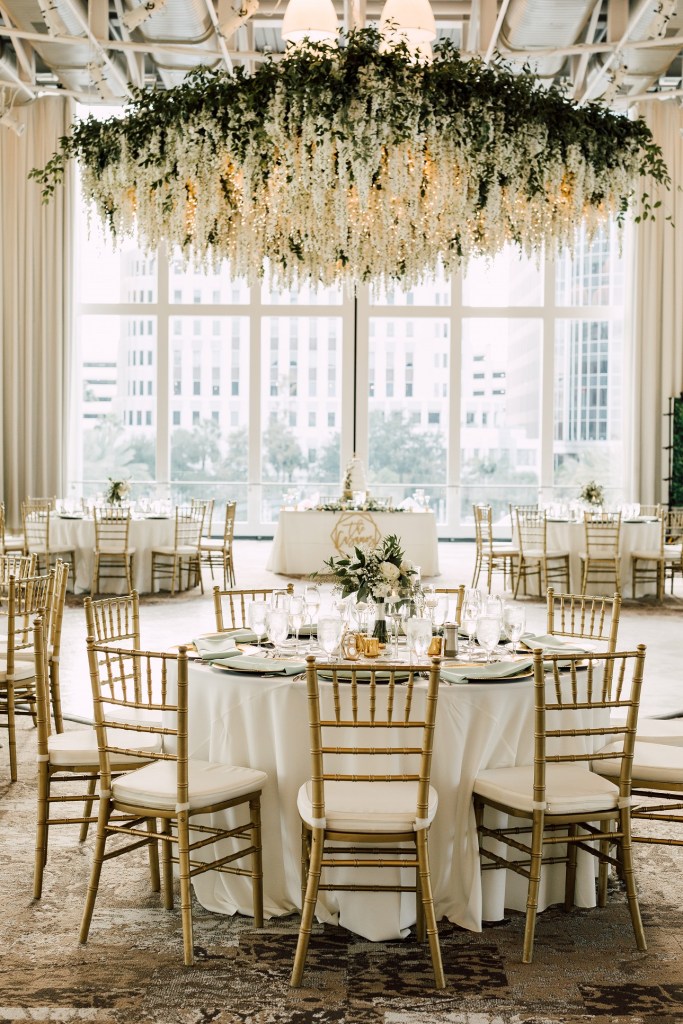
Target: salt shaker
450,632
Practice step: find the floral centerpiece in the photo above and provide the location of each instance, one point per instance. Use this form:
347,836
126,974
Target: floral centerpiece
592,494
374,574
117,491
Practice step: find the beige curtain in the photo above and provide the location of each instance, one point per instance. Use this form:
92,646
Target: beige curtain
658,312
35,309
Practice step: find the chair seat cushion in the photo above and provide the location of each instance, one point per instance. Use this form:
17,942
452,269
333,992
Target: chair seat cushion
24,654
504,551
155,785
183,549
569,789
367,806
648,556
13,542
80,746
213,544
672,552
22,670
655,730
652,762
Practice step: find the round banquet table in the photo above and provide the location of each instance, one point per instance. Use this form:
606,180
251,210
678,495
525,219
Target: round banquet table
262,722
70,533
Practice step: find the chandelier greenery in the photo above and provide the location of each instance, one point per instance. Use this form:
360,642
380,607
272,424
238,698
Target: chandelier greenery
350,164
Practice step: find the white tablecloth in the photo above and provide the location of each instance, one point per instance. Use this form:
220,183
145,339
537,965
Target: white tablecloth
263,723
303,540
571,537
79,535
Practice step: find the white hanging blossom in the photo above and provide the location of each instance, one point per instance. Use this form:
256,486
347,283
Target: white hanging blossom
353,165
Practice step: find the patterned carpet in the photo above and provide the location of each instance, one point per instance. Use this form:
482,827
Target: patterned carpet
586,966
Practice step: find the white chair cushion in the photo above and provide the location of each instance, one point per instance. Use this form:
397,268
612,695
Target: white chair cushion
569,788
672,552
80,746
658,730
212,544
22,670
504,549
155,785
183,549
557,554
27,654
648,556
652,762
367,806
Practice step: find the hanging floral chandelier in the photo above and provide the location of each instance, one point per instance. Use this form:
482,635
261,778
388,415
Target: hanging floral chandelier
355,163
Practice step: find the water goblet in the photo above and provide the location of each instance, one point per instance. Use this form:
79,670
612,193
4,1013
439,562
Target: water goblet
470,613
488,634
312,602
360,610
419,636
431,601
397,611
280,599
329,634
257,613
296,617
277,625
514,618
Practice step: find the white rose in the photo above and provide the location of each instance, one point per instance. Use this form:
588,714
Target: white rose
381,591
406,566
390,571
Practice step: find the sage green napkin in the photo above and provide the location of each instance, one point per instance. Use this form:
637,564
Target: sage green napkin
261,666
549,642
496,670
222,645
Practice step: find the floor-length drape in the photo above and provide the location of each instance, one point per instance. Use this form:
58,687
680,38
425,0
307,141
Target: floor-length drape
658,311
35,309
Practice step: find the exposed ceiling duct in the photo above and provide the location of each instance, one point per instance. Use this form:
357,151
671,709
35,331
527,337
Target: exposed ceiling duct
179,21
538,25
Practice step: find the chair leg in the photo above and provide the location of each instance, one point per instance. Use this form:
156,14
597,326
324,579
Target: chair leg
96,871
534,885
56,695
584,576
256,860
570,873
308,909
305,860
185,893
629,877
153,852
166,866
129,571
41,828
95,581
428,904
420,928
87,809
12,733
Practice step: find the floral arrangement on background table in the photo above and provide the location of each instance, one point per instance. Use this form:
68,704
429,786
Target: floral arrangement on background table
117,491
369,505
592,494
374,574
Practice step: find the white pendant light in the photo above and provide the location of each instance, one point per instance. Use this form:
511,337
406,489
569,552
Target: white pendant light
310,19
410,21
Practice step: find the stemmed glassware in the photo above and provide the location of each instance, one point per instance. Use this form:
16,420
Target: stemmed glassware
360,611
312,602
419,636
277,627
329,634
514,618
280,599
488,634
397,611
257,613
431,601
471,610
296,617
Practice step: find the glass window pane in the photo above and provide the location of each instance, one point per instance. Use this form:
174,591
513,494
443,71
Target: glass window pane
307,295
207,287
433,291
594,274
300,410
408,407
209,410
500,421
508,280
118,402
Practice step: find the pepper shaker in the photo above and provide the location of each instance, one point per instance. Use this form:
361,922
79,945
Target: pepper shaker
450,632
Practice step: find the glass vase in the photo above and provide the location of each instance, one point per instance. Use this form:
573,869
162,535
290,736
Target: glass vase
380,630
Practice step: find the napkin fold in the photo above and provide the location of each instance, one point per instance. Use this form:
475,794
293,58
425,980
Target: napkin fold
261,666
222,645
549,642
496,670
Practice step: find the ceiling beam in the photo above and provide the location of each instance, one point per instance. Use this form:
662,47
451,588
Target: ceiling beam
98,47
496,30
26,61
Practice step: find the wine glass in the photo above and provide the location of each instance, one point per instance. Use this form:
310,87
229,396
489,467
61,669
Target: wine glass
296,617
488,634
397,611
431,601
312,602
471,610
277,625
280,599
257,613
360,610
329,634
514,618
419,636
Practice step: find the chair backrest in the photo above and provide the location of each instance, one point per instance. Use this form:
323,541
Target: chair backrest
56,611
117,706
650,510
532,530
207,505
189,523
603,530
229,525
483,527
230,606
19,566
459,593
116,621
36,527
673,530
369,710
26,599
42,502
587,618
43,720
575,698
112,527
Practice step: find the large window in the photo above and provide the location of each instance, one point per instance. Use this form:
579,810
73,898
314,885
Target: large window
503,384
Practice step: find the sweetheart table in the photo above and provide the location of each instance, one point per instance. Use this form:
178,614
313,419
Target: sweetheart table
305,538
262,722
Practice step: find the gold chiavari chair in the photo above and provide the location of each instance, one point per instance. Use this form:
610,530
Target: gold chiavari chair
207,504
562,795
600,562
169,563
49,502
19,566
381,804
69,758
584,618
673,546
9,543
535,558
459,594
217,551
657,786
53,647
174,788
230,606
648,567
37,538
491,555
26,599
113,554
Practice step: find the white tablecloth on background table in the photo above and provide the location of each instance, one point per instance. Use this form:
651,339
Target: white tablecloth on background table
304,539
571,537
263,723
79,535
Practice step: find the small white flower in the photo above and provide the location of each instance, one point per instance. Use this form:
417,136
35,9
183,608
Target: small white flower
381,590
406,566
390,571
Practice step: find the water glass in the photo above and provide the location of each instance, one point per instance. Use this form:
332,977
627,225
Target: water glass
471,610
296,617
514,618
329,634
419,636
277,625
312,602
280,599
488,634
257,613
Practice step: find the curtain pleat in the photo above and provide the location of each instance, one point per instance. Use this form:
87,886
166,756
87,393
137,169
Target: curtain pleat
658,312
35,309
